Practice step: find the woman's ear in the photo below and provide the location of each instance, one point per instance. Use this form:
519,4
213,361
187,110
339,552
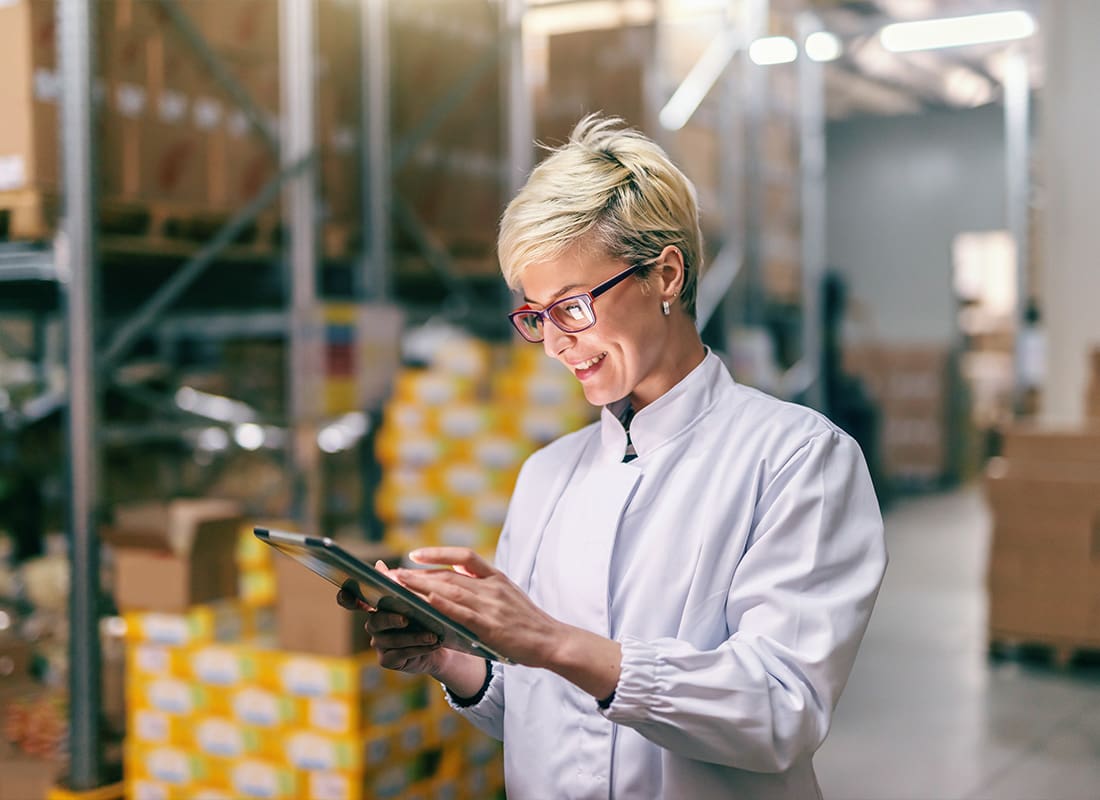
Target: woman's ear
670,272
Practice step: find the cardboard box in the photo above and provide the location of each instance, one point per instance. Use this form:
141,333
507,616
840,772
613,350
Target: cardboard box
1052,445
22,778
307,617
171,556
30,95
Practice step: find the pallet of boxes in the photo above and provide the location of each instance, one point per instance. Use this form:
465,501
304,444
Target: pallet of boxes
1044,567
229,698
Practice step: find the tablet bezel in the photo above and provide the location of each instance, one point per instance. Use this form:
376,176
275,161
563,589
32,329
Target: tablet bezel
326,558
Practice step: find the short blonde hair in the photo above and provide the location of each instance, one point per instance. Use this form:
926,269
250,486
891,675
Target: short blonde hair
609,187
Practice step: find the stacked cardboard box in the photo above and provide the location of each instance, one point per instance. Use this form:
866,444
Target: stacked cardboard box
170,136
1044,570
912,386
455,435
453,176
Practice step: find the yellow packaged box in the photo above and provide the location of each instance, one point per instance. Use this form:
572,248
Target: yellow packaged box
311,751
254,777
231,665
216,622
226,738
263,708
149,727
388,702
321,676
389,782
146,789
154,661
174,766
175,696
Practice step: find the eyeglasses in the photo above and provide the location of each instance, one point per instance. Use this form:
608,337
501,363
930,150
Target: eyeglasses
571,314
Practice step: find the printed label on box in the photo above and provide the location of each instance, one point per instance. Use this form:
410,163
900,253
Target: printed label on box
151,659
164,628
13,172
47,85
329,786
130,100
305,678
309,751
171,766
151,726
220,738
216,666
171,695
329,715
256,779
147,790
257,707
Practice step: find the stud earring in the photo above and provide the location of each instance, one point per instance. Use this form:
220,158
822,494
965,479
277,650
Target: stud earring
665,308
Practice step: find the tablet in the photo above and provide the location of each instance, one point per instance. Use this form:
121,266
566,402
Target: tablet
342,569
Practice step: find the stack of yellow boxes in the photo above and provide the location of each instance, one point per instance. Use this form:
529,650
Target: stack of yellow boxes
215,711
213,718
455,435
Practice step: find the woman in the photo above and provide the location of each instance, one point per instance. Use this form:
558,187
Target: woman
682,585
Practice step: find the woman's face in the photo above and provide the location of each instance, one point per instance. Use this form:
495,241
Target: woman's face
627,351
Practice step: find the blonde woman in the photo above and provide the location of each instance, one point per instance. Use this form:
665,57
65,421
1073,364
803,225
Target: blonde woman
682,585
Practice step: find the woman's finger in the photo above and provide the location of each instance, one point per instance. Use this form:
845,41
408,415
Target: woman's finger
382,621
462,559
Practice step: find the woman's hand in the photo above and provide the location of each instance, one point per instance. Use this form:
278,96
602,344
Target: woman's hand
485,601
413,651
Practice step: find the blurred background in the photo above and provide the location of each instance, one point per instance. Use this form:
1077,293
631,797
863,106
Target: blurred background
247,276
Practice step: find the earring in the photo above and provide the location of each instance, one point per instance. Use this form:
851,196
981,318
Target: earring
665,308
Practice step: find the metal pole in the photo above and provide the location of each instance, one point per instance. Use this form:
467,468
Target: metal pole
754,22
76,253
297,80
376,174
811,88
519,132
1017,111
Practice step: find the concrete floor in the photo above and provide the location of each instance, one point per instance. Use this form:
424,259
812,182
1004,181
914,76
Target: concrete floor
927,715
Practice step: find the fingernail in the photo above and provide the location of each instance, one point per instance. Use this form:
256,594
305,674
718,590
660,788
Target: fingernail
414,554
428,638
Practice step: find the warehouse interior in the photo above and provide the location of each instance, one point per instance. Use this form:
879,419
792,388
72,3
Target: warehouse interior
248,277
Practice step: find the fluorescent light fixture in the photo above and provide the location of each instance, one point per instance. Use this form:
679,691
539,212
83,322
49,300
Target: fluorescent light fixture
932,34
823,46
706,72
773,50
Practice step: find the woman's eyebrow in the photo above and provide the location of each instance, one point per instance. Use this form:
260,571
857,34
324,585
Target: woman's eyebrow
560,292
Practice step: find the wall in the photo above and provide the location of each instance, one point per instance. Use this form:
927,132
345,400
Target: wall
1070,274
899,190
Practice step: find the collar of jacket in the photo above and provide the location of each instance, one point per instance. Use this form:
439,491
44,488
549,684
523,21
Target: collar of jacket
668,416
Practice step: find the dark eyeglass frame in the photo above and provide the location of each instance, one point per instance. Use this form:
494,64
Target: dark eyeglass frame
586,298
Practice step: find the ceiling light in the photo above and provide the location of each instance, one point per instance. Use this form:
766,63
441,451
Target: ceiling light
823,46
773,50
932,34
249,436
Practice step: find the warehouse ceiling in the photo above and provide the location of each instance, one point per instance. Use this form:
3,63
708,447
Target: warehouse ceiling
869,79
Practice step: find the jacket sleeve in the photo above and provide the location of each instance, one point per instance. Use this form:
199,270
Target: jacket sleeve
798,606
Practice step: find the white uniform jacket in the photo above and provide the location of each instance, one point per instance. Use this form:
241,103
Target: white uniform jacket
736,560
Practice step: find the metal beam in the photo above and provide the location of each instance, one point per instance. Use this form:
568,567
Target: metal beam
77,259
519,123
806,374
377,266
298,85
1017,94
